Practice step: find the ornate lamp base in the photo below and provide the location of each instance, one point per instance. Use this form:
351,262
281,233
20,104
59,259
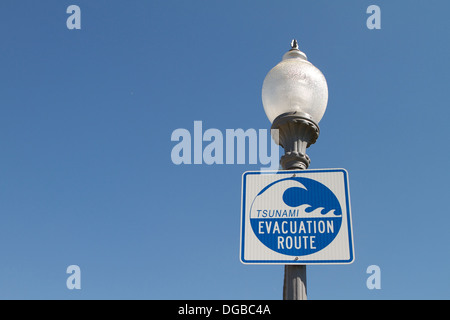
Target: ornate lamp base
296,132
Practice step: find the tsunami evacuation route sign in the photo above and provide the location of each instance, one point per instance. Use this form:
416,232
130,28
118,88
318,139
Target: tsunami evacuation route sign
296,217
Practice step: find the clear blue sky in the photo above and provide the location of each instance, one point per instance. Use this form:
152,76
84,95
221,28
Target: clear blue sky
86,118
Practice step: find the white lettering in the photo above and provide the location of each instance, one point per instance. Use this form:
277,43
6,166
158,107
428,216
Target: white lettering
74,280
374,280
240,136
374,21
215,146
280,243
282,227
183,147
73,21
260,227
213,153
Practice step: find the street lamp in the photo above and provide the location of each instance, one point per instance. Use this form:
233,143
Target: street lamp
295,96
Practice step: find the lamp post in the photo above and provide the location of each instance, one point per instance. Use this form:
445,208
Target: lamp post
295,96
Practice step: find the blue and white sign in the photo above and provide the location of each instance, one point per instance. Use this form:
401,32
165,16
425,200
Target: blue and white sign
296,217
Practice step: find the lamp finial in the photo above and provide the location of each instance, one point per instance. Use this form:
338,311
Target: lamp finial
294,44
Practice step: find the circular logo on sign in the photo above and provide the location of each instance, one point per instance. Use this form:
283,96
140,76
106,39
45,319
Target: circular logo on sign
296,216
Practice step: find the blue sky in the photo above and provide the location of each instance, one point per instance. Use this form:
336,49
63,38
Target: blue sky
86,118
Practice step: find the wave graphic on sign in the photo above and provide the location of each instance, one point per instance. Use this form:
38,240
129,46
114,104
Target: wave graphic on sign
309,196
306,199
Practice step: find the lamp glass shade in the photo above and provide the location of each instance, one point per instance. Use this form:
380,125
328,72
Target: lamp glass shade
295,84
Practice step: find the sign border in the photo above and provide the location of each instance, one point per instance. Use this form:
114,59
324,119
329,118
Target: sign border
293,262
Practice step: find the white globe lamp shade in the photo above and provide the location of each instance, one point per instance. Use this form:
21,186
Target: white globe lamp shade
295,85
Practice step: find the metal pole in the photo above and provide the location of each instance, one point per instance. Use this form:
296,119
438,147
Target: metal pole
294,287
295,132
